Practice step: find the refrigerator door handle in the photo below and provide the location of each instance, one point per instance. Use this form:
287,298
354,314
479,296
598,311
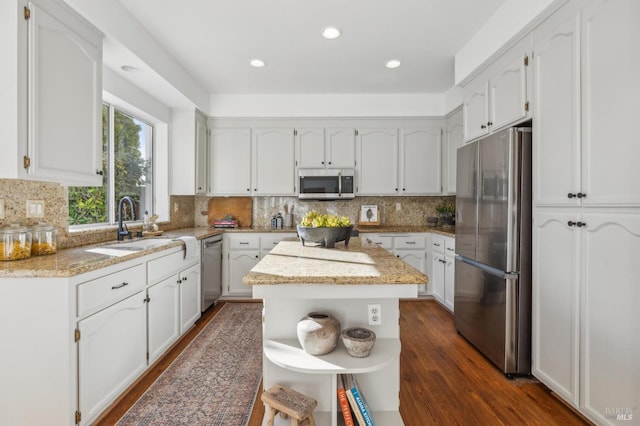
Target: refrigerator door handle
489,269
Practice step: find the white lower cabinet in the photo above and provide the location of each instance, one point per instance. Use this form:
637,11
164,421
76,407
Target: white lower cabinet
241,252
111,354
189,297
443,269
585,347
164,315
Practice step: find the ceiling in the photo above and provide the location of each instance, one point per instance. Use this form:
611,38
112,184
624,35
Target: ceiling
215,39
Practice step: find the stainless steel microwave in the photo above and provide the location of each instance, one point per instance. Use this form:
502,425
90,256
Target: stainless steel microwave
326,184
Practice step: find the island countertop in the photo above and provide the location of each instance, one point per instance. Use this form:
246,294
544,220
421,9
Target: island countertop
361,262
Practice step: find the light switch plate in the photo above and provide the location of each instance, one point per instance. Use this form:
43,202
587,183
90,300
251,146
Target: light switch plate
35,208
1,208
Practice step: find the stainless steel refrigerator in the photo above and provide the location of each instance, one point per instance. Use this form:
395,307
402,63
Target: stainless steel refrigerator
492,304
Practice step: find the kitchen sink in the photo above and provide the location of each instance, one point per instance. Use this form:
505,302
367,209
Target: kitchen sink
124,248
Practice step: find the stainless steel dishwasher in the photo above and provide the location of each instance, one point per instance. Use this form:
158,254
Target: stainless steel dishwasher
211,270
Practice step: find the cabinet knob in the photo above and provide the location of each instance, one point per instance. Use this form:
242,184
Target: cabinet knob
184,279
322,162
255,189
329,162
248,189
482,126
403,189
580,224
99,172
581,195
571,223
256,256
490,123
396,189
570,195
179,282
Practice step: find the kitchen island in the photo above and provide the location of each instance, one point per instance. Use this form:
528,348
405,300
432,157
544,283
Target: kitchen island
294,280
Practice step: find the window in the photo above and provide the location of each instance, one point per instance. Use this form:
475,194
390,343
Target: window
127,160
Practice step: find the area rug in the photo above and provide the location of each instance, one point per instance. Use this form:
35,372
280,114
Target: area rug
215,379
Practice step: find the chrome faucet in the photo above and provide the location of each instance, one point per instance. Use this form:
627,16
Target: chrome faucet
122,229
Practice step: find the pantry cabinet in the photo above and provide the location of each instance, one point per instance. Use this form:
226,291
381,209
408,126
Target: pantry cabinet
326,147
498,96
586,207
64,56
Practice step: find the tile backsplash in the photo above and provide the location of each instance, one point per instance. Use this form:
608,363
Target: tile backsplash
413,210
187,211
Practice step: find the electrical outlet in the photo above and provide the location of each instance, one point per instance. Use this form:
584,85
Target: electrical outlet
398,207
375,314
35,208
1,208
175,207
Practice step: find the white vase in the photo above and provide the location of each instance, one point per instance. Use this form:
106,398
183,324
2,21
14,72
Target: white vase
318,333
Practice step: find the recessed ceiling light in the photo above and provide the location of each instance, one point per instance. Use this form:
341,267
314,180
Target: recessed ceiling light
330,33
257,63
394,63
130,68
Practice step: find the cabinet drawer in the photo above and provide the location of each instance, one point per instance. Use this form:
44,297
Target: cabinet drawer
382,241
244,242
269,241
162,267
409,243
109,289
437,244
450,247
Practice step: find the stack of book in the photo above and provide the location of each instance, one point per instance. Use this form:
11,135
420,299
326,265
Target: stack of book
355,410
225,223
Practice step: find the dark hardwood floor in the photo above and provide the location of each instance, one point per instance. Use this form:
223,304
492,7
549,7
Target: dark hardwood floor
444,380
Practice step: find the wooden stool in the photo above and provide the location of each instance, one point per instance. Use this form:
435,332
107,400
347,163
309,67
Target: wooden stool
288,402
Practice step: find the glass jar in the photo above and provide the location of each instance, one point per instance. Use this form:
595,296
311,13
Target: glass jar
44,239
15,242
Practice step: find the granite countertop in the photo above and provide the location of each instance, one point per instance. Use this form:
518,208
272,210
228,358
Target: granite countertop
77,260
361,262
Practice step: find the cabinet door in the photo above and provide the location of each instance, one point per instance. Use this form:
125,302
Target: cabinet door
454,140
610,318
341,147
230,162
163,316
437,278
421,161
189,297
610,90
377,162
556,128
112,353
273,162
555,299
508,89
65,98
475,110
415,258
240,263
311,150
201,155
449,282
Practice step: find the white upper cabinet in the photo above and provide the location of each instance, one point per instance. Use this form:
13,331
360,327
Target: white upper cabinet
201,154
556,127
610,92
326,148
586,83
311,149
64,97
340,145
420,161
377,167
273,161
454,137
230,162
498,96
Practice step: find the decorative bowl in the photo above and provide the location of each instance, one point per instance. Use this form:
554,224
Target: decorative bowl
358,341
324,237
